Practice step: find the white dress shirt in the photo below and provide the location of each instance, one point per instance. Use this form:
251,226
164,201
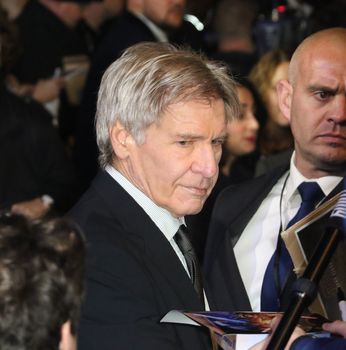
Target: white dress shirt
258,241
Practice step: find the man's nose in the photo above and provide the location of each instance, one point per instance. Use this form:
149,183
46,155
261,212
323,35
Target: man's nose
338,113
206,162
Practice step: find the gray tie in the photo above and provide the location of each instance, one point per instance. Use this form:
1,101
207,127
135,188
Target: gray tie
184,244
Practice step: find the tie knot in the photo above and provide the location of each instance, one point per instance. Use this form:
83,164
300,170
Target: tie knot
182,230
182,239
310,192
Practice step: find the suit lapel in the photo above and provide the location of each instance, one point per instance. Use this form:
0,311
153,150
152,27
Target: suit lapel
237,205
157,250
252,194
167,262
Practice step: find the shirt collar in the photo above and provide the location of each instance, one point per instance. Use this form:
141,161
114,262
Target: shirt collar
158,33
162,218
327,183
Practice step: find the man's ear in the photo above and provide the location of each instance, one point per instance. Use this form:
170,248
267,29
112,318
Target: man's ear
284,91
67,340
120,139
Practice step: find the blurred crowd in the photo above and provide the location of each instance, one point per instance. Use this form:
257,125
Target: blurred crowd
53,55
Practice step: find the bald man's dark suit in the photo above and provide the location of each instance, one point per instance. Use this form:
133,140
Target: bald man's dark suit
233,210
134,277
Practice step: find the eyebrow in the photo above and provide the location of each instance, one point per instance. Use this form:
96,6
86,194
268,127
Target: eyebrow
222,135
314,88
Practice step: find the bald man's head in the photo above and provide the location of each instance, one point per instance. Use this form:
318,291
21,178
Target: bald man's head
322,44
313,101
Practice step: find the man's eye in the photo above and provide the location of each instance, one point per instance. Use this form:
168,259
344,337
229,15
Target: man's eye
217,142
184,143
323,95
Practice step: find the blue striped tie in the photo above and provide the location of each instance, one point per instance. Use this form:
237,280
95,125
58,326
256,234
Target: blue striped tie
311,194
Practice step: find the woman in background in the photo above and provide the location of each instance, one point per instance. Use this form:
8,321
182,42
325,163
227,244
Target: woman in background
275,138
241,138
237,164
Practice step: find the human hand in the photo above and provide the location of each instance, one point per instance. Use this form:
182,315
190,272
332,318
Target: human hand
18,88
47,90
336,327
298,332
32,209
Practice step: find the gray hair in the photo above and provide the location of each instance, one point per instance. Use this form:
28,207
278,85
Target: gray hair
138,87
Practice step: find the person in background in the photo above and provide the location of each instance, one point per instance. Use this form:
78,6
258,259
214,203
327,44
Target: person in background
13,7
36,175
237,162
97,17
244,240
46,35
241,135
143,20
44,90
275,137
41,283
161,121
233,26
50,45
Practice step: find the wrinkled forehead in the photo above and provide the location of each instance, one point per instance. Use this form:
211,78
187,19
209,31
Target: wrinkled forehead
319,58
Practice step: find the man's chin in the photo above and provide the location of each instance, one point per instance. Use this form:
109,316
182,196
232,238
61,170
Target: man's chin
171,26
335,167
186,209
194,208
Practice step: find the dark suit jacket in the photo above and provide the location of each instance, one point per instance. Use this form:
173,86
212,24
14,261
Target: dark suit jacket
43,40
33,161
233,210
133,277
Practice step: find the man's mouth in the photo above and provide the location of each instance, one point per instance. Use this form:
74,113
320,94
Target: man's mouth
333,138
198,191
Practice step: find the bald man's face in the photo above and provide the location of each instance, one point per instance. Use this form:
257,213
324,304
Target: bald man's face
317,108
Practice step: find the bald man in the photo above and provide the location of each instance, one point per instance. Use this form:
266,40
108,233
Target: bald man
244,231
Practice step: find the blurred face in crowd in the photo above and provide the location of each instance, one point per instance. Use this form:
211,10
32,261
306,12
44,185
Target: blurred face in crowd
177,165
165,13
242,132
12,7
96,13
70,12
113,7
314,102
274,112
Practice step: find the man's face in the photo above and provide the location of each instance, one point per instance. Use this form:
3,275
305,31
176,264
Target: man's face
71,13
113,7
164,13
318,112
177,166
